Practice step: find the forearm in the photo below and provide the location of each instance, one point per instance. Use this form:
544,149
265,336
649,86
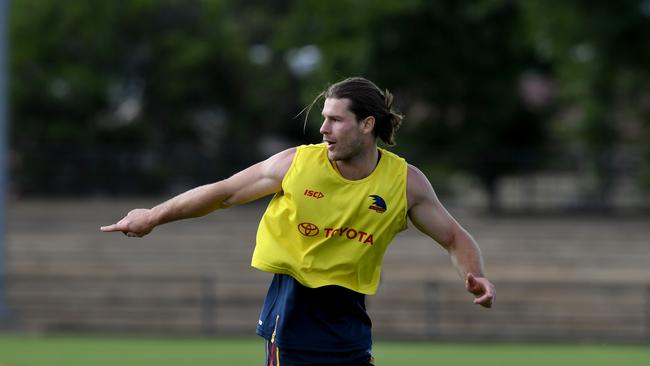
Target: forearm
465,254
196,202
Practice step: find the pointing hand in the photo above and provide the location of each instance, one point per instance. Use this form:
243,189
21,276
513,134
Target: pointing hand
136,223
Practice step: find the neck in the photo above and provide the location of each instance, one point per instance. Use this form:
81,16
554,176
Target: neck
360,166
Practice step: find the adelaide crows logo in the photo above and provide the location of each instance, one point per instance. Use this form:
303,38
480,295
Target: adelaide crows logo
379,204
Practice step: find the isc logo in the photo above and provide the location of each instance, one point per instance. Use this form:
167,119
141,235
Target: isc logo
315,194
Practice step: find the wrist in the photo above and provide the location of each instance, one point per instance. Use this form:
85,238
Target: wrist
158,216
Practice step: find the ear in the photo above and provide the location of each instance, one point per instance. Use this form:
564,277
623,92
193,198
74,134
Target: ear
367,125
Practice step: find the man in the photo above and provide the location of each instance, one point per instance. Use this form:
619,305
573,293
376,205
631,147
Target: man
336,207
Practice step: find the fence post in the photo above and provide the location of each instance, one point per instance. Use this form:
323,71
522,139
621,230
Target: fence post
647,313
208,305
4,127
432,310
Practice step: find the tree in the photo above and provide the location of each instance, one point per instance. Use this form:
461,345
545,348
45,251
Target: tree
460,66
599,54
108,96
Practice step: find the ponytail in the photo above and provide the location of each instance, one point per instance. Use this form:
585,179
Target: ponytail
389,125
366,99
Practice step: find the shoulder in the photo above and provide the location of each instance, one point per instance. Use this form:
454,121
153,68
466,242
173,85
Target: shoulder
278,164
415,179
285,155
391,155
418,187
304,155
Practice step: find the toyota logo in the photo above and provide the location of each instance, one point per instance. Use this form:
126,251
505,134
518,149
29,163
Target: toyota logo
308,229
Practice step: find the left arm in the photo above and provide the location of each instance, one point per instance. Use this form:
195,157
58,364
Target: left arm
431,218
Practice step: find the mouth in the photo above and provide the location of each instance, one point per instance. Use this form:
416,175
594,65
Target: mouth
330,145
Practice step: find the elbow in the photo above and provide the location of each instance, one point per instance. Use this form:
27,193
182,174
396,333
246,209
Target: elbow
224,196
226,203
450,242
227,200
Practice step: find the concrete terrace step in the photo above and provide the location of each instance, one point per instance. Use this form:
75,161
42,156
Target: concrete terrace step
558,278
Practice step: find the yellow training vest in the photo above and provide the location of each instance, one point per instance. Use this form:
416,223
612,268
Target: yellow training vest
323,229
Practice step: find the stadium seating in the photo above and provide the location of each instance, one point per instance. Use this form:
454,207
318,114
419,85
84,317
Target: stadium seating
576,278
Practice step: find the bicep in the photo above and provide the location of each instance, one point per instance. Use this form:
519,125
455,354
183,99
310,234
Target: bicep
425,210
259,180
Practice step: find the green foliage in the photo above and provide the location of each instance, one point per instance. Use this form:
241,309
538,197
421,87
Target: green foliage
145,96
599,55
119,84
465,63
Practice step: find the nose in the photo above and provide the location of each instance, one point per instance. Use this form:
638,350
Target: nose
325,128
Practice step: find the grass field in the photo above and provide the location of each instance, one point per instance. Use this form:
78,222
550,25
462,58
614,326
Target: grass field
17,350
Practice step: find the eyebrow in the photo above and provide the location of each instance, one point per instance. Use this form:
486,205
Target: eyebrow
332,116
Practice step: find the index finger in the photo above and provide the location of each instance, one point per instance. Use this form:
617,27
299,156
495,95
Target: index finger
110,228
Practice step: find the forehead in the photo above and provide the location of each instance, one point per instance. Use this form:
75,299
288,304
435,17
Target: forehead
336,107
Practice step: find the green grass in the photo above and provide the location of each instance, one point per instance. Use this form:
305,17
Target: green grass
21,350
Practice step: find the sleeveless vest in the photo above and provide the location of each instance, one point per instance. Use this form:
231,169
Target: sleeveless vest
323,229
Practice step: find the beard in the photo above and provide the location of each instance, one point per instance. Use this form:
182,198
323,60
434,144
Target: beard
346,150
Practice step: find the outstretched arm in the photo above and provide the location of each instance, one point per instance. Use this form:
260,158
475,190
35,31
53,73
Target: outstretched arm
252,183
430,217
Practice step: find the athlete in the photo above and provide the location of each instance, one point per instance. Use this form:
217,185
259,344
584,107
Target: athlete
337,206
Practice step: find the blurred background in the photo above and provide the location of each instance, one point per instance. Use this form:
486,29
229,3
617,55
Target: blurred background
531,119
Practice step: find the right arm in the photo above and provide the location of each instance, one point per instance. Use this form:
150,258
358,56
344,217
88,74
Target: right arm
252,183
